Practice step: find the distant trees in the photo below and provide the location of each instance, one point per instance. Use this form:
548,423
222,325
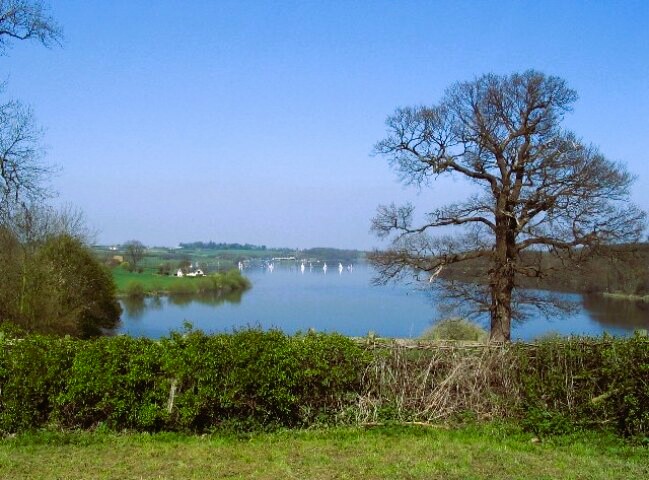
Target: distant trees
134,251
539,189
211,245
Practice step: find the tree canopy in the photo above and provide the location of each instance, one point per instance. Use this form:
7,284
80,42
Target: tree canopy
539,187
27,20
22,174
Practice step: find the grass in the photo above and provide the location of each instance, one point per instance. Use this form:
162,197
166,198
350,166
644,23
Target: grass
163,284
413,452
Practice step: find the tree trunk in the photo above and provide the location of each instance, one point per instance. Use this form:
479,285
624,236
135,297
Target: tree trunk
501,304
502,279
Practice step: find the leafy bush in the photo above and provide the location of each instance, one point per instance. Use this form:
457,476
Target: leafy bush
456,329
135,289
32,373
591,382
257,379
56,286
116,381
189,381
625,377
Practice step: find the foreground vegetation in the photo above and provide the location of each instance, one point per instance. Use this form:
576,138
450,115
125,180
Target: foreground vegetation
415,452
254,380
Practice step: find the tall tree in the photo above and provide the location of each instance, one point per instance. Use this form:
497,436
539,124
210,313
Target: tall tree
22,174
540,189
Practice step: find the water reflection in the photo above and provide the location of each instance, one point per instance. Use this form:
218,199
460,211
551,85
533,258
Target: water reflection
213,299
615,312
134,307
349,304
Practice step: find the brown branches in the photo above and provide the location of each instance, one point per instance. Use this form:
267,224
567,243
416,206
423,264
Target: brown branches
27,20
541,188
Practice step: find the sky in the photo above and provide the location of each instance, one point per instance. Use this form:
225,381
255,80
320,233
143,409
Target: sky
254,121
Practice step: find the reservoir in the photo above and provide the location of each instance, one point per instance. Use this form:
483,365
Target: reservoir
346,302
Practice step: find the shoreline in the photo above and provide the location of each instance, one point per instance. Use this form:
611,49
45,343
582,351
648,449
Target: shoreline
626,297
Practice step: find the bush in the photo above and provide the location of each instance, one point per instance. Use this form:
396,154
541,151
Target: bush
33,372
56,286
625,377
456,329
253,378
135,289
117,382
257,379
189,381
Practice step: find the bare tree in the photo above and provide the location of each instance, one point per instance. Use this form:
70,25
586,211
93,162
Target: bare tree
539,188
27,20
22,174
134,252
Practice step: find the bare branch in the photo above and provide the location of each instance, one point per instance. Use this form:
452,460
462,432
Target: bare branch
542,189
27,20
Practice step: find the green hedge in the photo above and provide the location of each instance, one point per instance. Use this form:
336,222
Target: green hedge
586,382
255,379
190,381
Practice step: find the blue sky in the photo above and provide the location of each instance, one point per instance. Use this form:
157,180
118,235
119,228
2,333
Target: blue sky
250,121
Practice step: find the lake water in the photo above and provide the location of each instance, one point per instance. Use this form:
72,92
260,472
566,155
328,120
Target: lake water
347,303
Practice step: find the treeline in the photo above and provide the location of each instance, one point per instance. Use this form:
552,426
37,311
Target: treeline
332,254
221,246
253,379
318,253
613,268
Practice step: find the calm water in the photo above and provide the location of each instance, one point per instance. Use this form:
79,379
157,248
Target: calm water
347,303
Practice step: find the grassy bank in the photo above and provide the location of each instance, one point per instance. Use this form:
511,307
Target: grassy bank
489,451
148,283
626,296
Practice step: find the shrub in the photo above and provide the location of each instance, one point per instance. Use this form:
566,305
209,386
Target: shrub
253,378
625,375
115,381
32,374
257,379
456,329
135,289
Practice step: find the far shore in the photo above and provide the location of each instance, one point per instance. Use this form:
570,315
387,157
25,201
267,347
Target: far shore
626,296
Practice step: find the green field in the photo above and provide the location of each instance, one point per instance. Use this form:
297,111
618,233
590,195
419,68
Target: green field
153,283
149,280
342,453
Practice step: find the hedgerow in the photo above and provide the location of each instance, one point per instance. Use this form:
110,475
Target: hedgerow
254,379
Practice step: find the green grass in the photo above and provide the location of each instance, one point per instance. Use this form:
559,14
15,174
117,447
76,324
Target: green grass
154,283
148,280
353,453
